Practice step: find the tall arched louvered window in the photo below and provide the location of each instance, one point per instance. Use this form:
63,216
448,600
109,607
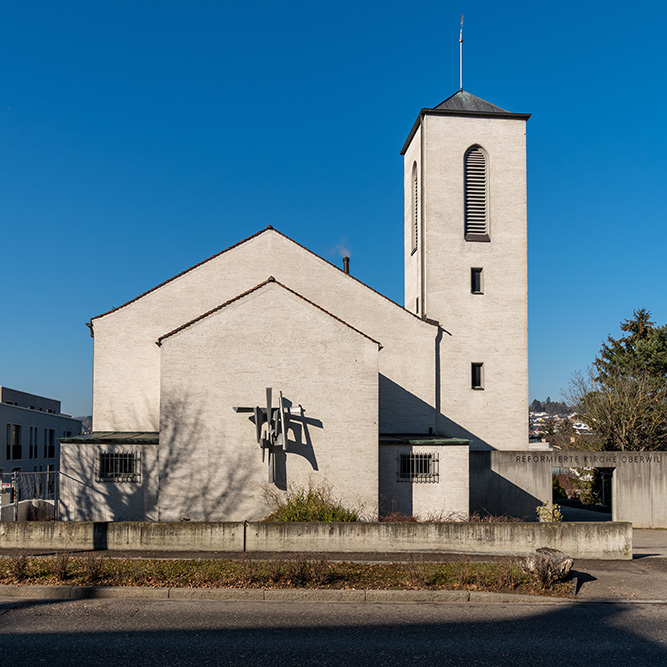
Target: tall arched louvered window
476,195
415,207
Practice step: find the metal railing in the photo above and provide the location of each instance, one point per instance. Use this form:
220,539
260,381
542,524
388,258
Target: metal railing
28,496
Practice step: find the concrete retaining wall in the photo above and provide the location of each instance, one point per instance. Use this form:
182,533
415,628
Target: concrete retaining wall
139,536
604,541
582,540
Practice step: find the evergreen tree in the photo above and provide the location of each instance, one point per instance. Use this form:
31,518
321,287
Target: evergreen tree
623,397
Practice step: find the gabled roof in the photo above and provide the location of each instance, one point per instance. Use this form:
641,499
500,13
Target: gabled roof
269,281
462,103
236,245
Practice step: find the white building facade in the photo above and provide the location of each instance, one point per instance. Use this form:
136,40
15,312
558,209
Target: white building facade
379,402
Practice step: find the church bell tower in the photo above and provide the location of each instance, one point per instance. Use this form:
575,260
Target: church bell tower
466,263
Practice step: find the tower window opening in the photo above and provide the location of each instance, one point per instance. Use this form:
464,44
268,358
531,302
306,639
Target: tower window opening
415,207
477,376
476,195
476,281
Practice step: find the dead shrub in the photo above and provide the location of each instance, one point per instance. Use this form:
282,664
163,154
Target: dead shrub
397,517
275,571
93,567
320,570
60,565
18,566
299,571
416,572
248,571
476,517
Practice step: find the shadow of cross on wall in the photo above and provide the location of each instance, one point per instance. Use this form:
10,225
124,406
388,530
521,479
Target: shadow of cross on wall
272,428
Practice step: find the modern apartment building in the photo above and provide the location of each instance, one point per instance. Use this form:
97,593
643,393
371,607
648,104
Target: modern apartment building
30,427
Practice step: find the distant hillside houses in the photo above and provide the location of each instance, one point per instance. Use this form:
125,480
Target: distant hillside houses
542,423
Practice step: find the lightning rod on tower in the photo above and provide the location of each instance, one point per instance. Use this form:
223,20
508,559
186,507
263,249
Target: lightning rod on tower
461,55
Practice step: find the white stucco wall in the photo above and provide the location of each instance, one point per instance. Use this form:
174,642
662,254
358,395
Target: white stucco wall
446,498
490,328
84,498
126,385
211,465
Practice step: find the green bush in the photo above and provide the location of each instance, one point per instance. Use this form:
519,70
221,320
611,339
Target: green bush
558,490
312,504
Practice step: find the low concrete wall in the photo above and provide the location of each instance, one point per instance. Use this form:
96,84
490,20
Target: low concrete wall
140,535
603,541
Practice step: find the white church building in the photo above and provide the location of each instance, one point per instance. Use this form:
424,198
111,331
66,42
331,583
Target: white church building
387,405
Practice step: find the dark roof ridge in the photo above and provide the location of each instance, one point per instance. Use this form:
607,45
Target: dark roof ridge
464,101
235,245
268,281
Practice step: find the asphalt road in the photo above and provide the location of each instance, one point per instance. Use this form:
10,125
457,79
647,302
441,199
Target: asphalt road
171,632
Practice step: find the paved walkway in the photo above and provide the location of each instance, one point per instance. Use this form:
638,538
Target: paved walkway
642,578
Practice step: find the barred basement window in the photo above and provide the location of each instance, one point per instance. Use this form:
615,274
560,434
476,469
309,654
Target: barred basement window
415,207
119,467
476,196
419,468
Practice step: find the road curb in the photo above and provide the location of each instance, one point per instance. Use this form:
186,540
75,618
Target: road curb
41,592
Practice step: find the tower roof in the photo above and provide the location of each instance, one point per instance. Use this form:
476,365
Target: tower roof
463,103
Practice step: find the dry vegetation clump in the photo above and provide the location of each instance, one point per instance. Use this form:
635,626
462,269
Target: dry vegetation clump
311,504
494,518
61,565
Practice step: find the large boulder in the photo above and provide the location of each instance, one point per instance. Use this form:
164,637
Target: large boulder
550,565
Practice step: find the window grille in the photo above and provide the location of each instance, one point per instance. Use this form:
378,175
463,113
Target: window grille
119,467
422,467
415,207
476,195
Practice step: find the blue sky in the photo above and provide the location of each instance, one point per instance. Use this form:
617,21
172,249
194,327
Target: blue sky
139,138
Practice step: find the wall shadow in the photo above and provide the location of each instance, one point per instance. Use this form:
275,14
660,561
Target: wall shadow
220,633
440,423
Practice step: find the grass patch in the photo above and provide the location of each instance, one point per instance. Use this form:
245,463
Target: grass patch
298,572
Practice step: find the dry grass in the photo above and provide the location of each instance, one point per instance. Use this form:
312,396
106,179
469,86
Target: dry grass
297,572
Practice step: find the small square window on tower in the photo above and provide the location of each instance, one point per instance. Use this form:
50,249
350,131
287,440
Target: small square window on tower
477,376
476,281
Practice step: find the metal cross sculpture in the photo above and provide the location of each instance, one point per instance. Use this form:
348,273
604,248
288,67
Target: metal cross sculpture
271,426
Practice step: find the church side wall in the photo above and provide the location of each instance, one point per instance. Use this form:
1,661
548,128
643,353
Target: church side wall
126,386
210,462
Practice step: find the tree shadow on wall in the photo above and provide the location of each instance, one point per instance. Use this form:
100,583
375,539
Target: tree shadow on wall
208,490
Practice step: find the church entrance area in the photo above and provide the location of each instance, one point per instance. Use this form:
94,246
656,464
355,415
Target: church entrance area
583,494
621,486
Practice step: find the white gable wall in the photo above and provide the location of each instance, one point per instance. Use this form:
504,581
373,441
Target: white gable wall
126,384
211,465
